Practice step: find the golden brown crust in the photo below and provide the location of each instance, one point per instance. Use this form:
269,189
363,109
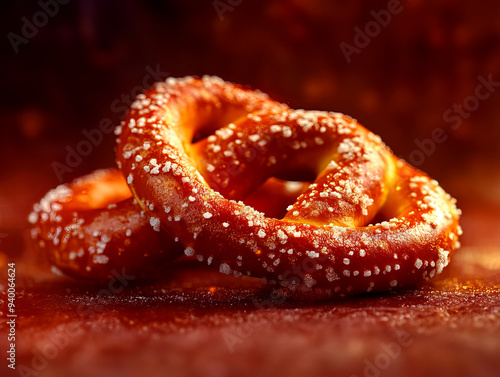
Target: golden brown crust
325,241
93,228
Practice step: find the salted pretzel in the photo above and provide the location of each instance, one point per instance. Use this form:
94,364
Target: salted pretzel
193,148
93,228
200,154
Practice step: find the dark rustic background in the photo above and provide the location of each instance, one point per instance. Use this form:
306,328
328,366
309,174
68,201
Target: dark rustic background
82,68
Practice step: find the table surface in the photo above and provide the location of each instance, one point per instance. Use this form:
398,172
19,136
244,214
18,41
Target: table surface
198,322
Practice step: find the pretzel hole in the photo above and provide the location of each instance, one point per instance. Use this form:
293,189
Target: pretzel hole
395,208
380,217
200,135
297,175
275,195
98,191
215,121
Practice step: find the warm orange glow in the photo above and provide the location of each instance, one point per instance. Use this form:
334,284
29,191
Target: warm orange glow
3,260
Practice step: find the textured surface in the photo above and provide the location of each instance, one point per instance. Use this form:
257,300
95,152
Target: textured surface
196,322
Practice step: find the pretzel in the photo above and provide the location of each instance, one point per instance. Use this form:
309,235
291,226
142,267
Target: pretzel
203,157
93,228
192,149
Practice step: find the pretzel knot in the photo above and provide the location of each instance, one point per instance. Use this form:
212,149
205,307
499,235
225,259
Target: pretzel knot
192,149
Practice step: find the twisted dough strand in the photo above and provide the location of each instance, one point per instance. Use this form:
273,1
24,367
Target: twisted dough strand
325,240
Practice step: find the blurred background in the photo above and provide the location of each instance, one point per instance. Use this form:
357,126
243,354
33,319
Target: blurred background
423,74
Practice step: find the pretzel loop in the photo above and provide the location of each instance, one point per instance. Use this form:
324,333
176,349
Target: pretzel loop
92,228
